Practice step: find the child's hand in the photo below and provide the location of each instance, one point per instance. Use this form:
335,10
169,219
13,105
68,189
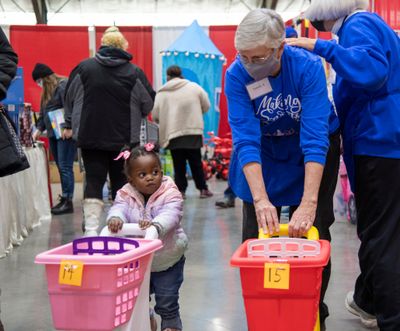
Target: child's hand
144,224
115,224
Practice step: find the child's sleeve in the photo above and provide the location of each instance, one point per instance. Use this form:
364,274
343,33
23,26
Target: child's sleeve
119,209
169,216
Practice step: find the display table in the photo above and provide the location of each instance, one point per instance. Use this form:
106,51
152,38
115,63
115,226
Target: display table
24,200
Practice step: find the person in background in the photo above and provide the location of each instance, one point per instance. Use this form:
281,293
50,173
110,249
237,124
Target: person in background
106,98
367,96
228,201
8,70
229,196
178,108
63,150
154,202
285,134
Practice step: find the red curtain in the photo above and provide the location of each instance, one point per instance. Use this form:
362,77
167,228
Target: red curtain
140,40
389,10
223,38
61,48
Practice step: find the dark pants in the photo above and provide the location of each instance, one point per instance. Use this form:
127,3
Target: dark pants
179,157
97,165
228,193
324,215
64,154
377,194
165,285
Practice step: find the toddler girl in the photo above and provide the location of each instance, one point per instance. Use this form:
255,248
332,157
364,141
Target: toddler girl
154,201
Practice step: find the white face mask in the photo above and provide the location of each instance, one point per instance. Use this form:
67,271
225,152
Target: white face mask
39,83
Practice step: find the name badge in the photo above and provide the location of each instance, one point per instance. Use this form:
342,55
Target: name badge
258,88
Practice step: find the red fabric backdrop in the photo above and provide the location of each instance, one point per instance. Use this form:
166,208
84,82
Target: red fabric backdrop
140,40
389,10
223,38
61,48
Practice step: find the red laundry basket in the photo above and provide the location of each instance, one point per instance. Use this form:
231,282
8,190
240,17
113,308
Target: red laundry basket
294,267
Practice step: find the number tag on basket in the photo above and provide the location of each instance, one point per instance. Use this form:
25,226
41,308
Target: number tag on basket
70,273
277,275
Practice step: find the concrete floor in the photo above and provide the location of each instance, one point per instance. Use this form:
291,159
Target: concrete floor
211,294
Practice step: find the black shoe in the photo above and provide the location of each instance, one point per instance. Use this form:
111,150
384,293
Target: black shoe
323,314
65,208
61,201
226,202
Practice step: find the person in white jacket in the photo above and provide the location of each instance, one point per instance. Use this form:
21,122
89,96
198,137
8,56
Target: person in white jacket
178,109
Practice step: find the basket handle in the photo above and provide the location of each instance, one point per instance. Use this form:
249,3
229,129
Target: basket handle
312,234
283,248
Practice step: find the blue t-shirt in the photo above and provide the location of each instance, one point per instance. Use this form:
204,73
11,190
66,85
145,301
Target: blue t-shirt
367,89
283,129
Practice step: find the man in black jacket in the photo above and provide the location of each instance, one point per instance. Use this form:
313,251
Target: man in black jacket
8,69
106,98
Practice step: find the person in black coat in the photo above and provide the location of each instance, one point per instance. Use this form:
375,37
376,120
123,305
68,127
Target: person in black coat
8,69
8,64
106,98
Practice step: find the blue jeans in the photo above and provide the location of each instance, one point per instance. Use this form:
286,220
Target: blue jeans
165,286
64,154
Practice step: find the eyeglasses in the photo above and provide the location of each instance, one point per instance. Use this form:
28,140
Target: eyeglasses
255,59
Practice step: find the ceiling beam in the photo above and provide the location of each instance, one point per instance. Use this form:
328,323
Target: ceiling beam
40,8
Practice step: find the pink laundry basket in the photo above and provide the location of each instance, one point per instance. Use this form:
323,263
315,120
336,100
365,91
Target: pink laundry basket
112,274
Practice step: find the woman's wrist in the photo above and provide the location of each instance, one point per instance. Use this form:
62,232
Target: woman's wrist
310,201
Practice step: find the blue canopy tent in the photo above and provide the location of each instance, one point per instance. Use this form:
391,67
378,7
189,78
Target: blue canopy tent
201,62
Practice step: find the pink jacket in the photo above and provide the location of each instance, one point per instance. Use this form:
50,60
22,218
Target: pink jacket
165,206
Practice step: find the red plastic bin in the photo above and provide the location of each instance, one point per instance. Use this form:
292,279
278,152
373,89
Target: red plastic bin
292,309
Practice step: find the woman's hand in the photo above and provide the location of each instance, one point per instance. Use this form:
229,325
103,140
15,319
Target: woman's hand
36,135
66,134
302,219
306,43
267,217
115,224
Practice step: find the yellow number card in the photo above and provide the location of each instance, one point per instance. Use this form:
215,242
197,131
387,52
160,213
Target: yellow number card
277,275
70,273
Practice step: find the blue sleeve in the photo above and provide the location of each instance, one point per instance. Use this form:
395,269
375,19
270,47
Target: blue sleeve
316,108
359,58
246,131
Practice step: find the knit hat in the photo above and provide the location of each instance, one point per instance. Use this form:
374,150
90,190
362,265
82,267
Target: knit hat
40,71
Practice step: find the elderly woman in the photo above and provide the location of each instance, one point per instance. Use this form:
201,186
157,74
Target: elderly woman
367,97
285,133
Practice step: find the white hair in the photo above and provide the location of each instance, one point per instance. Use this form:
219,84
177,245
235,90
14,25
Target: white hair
334,9
260,27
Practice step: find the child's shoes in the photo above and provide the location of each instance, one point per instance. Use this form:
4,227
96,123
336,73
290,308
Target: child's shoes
153,322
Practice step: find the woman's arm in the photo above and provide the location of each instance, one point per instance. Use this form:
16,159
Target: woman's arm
314,142
358,59
267,216
246,134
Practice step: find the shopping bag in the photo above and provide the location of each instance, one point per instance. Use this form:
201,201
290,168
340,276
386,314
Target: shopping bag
148,132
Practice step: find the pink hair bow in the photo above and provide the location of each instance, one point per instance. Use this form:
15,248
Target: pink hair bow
149,147
124,154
